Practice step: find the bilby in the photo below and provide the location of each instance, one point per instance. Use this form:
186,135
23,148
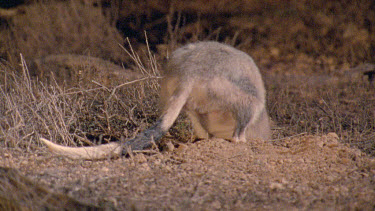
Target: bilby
219,87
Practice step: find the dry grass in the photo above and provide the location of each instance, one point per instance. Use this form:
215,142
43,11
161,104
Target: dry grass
304,68
317,104
313,103
31,109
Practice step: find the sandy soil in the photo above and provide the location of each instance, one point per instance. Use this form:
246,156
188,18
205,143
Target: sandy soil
305,51
305,172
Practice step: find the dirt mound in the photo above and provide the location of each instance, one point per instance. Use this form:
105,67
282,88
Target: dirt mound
302,172
19,193
305,52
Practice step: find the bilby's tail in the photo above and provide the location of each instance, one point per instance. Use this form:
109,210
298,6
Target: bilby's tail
142,141
85,153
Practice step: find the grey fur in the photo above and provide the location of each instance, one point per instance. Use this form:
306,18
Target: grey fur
221,90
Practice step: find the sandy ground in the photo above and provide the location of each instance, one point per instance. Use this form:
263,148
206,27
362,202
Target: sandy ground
304,172
296,39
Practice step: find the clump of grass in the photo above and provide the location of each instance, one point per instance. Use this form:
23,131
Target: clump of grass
318,104
31,109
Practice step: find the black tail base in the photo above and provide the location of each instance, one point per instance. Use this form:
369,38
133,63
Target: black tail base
145,140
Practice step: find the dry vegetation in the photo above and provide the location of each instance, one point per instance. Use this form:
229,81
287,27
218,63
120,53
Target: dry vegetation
71,85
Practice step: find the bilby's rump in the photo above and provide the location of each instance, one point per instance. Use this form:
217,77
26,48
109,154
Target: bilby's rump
219,87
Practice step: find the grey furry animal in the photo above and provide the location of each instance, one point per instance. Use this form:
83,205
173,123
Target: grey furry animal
219,87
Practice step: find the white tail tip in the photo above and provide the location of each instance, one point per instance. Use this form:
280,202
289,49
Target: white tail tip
85,153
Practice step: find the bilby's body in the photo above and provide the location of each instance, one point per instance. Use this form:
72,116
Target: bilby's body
221,90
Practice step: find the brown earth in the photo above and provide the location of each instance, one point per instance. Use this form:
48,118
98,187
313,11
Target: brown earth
313,60
305,172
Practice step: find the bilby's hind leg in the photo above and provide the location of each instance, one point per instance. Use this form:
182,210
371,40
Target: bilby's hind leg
242,121
199,131
246,116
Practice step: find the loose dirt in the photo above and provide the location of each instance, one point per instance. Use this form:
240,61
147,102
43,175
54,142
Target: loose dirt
309,56
306,172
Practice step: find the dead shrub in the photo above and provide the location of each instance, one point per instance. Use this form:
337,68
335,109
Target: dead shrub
30,109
